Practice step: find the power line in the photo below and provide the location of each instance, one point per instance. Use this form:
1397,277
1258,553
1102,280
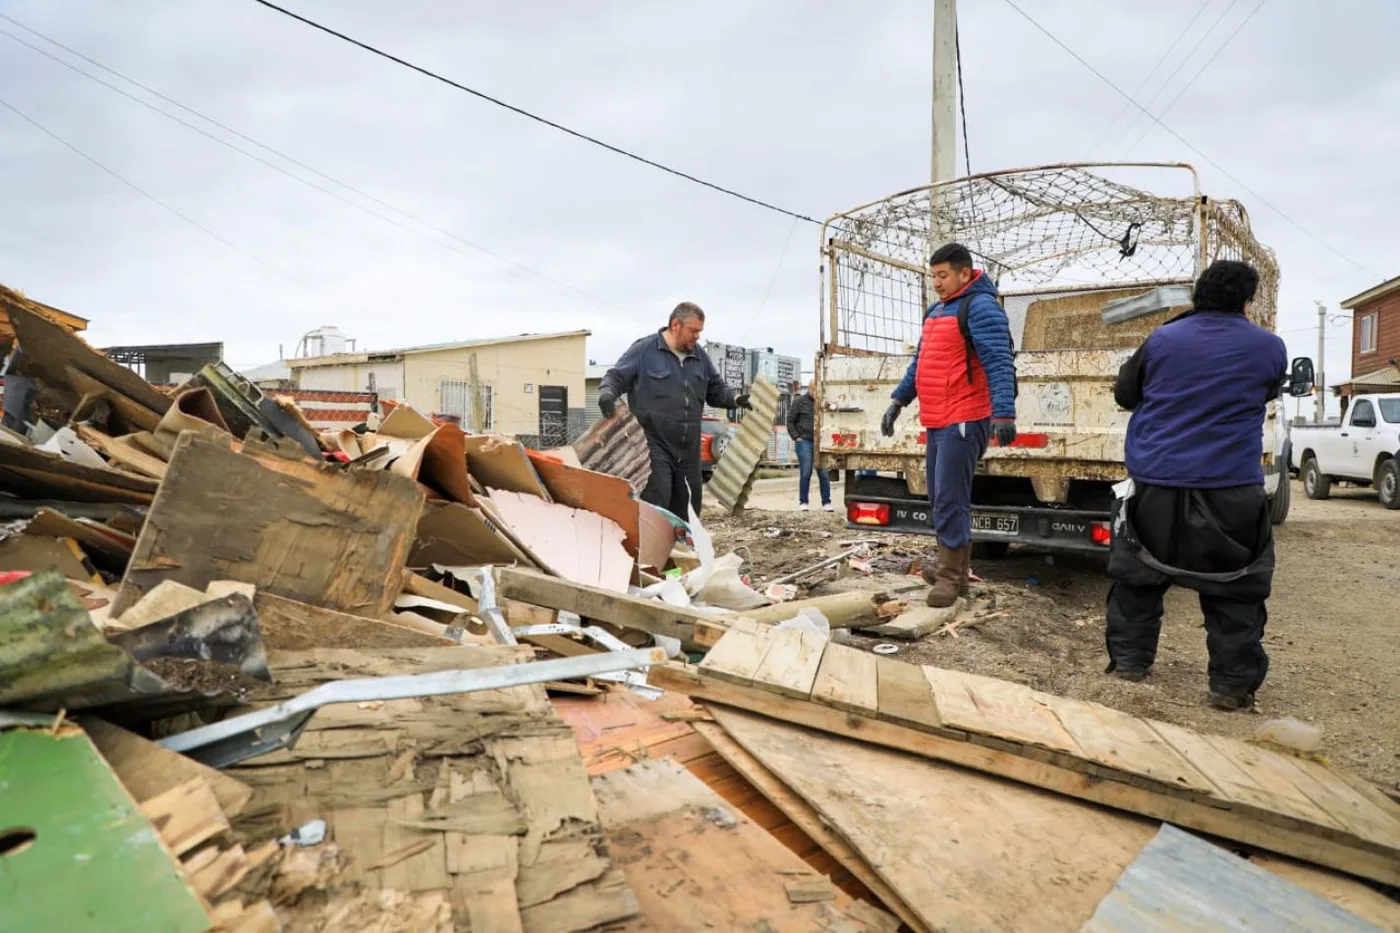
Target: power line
1108,130
1210,61
481,95
1181,139
151,197
566,287
1200,41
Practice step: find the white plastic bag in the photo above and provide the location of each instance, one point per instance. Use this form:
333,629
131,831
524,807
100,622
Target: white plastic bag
811,620
725,589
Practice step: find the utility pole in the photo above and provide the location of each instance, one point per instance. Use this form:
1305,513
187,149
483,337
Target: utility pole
944,124
1321,362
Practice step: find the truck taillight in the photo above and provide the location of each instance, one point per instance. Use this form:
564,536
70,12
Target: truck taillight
844,439
1100,534
867,513
1038,441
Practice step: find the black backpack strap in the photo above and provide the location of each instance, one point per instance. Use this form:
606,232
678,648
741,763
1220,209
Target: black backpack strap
967,334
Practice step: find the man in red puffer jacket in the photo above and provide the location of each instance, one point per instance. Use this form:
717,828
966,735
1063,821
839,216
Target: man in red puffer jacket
965,381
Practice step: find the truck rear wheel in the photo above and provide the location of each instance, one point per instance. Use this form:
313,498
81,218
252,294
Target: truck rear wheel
1281,500
1315,484
1388,483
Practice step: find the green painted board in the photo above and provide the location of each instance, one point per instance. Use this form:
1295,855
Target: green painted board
95,864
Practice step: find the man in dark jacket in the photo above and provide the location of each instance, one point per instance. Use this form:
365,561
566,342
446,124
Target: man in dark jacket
1194,511
966,387
668,380
801,420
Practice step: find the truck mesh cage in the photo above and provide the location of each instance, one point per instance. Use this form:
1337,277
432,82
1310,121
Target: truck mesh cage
1039,231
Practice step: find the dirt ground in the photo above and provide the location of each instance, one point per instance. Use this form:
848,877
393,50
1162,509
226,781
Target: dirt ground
1334,620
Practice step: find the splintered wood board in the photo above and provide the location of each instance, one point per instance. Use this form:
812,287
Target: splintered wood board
1212,784
695,863
306,531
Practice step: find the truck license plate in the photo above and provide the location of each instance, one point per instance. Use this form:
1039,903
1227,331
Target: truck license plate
994,523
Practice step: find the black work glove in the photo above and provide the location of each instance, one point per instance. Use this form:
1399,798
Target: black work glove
1005,431
607,404
742,401
887,422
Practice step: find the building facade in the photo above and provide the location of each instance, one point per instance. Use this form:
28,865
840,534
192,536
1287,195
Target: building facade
1375,339
530,386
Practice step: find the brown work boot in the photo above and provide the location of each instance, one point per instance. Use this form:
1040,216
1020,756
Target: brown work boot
951,578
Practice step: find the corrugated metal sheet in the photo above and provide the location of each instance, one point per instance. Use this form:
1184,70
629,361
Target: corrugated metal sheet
616,446
733,476
1179,883
1389,376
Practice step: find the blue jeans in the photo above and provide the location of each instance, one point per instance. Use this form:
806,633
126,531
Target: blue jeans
950,460
806,457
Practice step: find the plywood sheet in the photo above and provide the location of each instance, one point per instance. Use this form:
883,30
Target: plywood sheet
695,863
306,531
580,546
609,496
456,535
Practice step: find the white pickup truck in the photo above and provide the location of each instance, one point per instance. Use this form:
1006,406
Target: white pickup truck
1362,449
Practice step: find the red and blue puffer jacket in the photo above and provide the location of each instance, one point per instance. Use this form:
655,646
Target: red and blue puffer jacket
938,374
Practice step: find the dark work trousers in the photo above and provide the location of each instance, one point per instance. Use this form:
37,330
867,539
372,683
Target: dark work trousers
951,459
675,483
1218,542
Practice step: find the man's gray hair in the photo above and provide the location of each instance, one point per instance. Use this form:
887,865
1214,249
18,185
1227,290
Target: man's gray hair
686,311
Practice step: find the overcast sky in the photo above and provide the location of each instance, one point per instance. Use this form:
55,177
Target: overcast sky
815,106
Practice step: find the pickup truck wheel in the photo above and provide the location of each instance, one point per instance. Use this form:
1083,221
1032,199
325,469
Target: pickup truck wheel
1315,484
1281,500
1388,483
991,550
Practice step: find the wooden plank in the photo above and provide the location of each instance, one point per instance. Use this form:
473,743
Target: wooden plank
37,474
149,770
790,665
590,602
1260,826
808,819
293,528
956,708
1180,882
288,625
696,864
905,695
1127,744
186,815
122,451
847,680
1015,713
961,851
738,655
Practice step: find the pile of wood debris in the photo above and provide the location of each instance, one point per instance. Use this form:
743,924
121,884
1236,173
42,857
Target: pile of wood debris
398,679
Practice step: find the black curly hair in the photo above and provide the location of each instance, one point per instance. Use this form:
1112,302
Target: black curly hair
1228,285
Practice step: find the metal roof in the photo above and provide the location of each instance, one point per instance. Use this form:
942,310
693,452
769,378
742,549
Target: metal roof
388,355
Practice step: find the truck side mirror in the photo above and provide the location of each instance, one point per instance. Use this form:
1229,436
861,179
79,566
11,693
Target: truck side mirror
1300,377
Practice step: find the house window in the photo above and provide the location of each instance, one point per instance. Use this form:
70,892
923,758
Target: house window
455,401
1368,333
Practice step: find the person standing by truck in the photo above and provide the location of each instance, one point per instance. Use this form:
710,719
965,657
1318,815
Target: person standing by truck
668,379
964,376
801,421
1194,511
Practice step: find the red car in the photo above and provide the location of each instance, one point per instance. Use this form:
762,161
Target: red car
714,438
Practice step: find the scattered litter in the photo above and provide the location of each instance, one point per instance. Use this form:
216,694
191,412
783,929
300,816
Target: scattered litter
885,647
721,817
810,619
780,592
772,532
310,833
1291,734
862,564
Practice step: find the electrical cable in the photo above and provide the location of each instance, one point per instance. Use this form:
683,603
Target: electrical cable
521,111
1181,139
560,285
1108,130
1210,61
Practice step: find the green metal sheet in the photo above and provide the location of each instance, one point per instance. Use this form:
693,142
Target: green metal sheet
94,863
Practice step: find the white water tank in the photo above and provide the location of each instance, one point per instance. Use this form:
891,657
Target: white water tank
324,341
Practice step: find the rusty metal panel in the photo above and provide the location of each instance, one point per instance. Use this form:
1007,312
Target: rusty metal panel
734,474
618,447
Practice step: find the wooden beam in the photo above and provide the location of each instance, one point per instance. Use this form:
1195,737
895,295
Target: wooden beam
529,586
